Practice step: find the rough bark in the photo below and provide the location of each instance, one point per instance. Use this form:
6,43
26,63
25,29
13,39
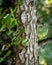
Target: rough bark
29,55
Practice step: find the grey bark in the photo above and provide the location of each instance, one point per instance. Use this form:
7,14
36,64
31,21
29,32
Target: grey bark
29,55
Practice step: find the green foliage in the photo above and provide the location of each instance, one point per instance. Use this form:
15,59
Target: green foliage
44,31
8,53
1,53
10,32
1,59
24,41
45,53
44,8
44,11
21,2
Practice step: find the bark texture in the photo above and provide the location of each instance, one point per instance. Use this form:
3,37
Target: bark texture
29,55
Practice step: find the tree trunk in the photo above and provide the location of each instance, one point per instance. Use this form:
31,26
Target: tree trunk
29,55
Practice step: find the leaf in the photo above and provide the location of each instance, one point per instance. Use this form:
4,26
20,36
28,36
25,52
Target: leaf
1,59
3,47
9,33
1,53
24,42
21,2
13,23
16,41
15,9
8,53
7,19
6,15
2,28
